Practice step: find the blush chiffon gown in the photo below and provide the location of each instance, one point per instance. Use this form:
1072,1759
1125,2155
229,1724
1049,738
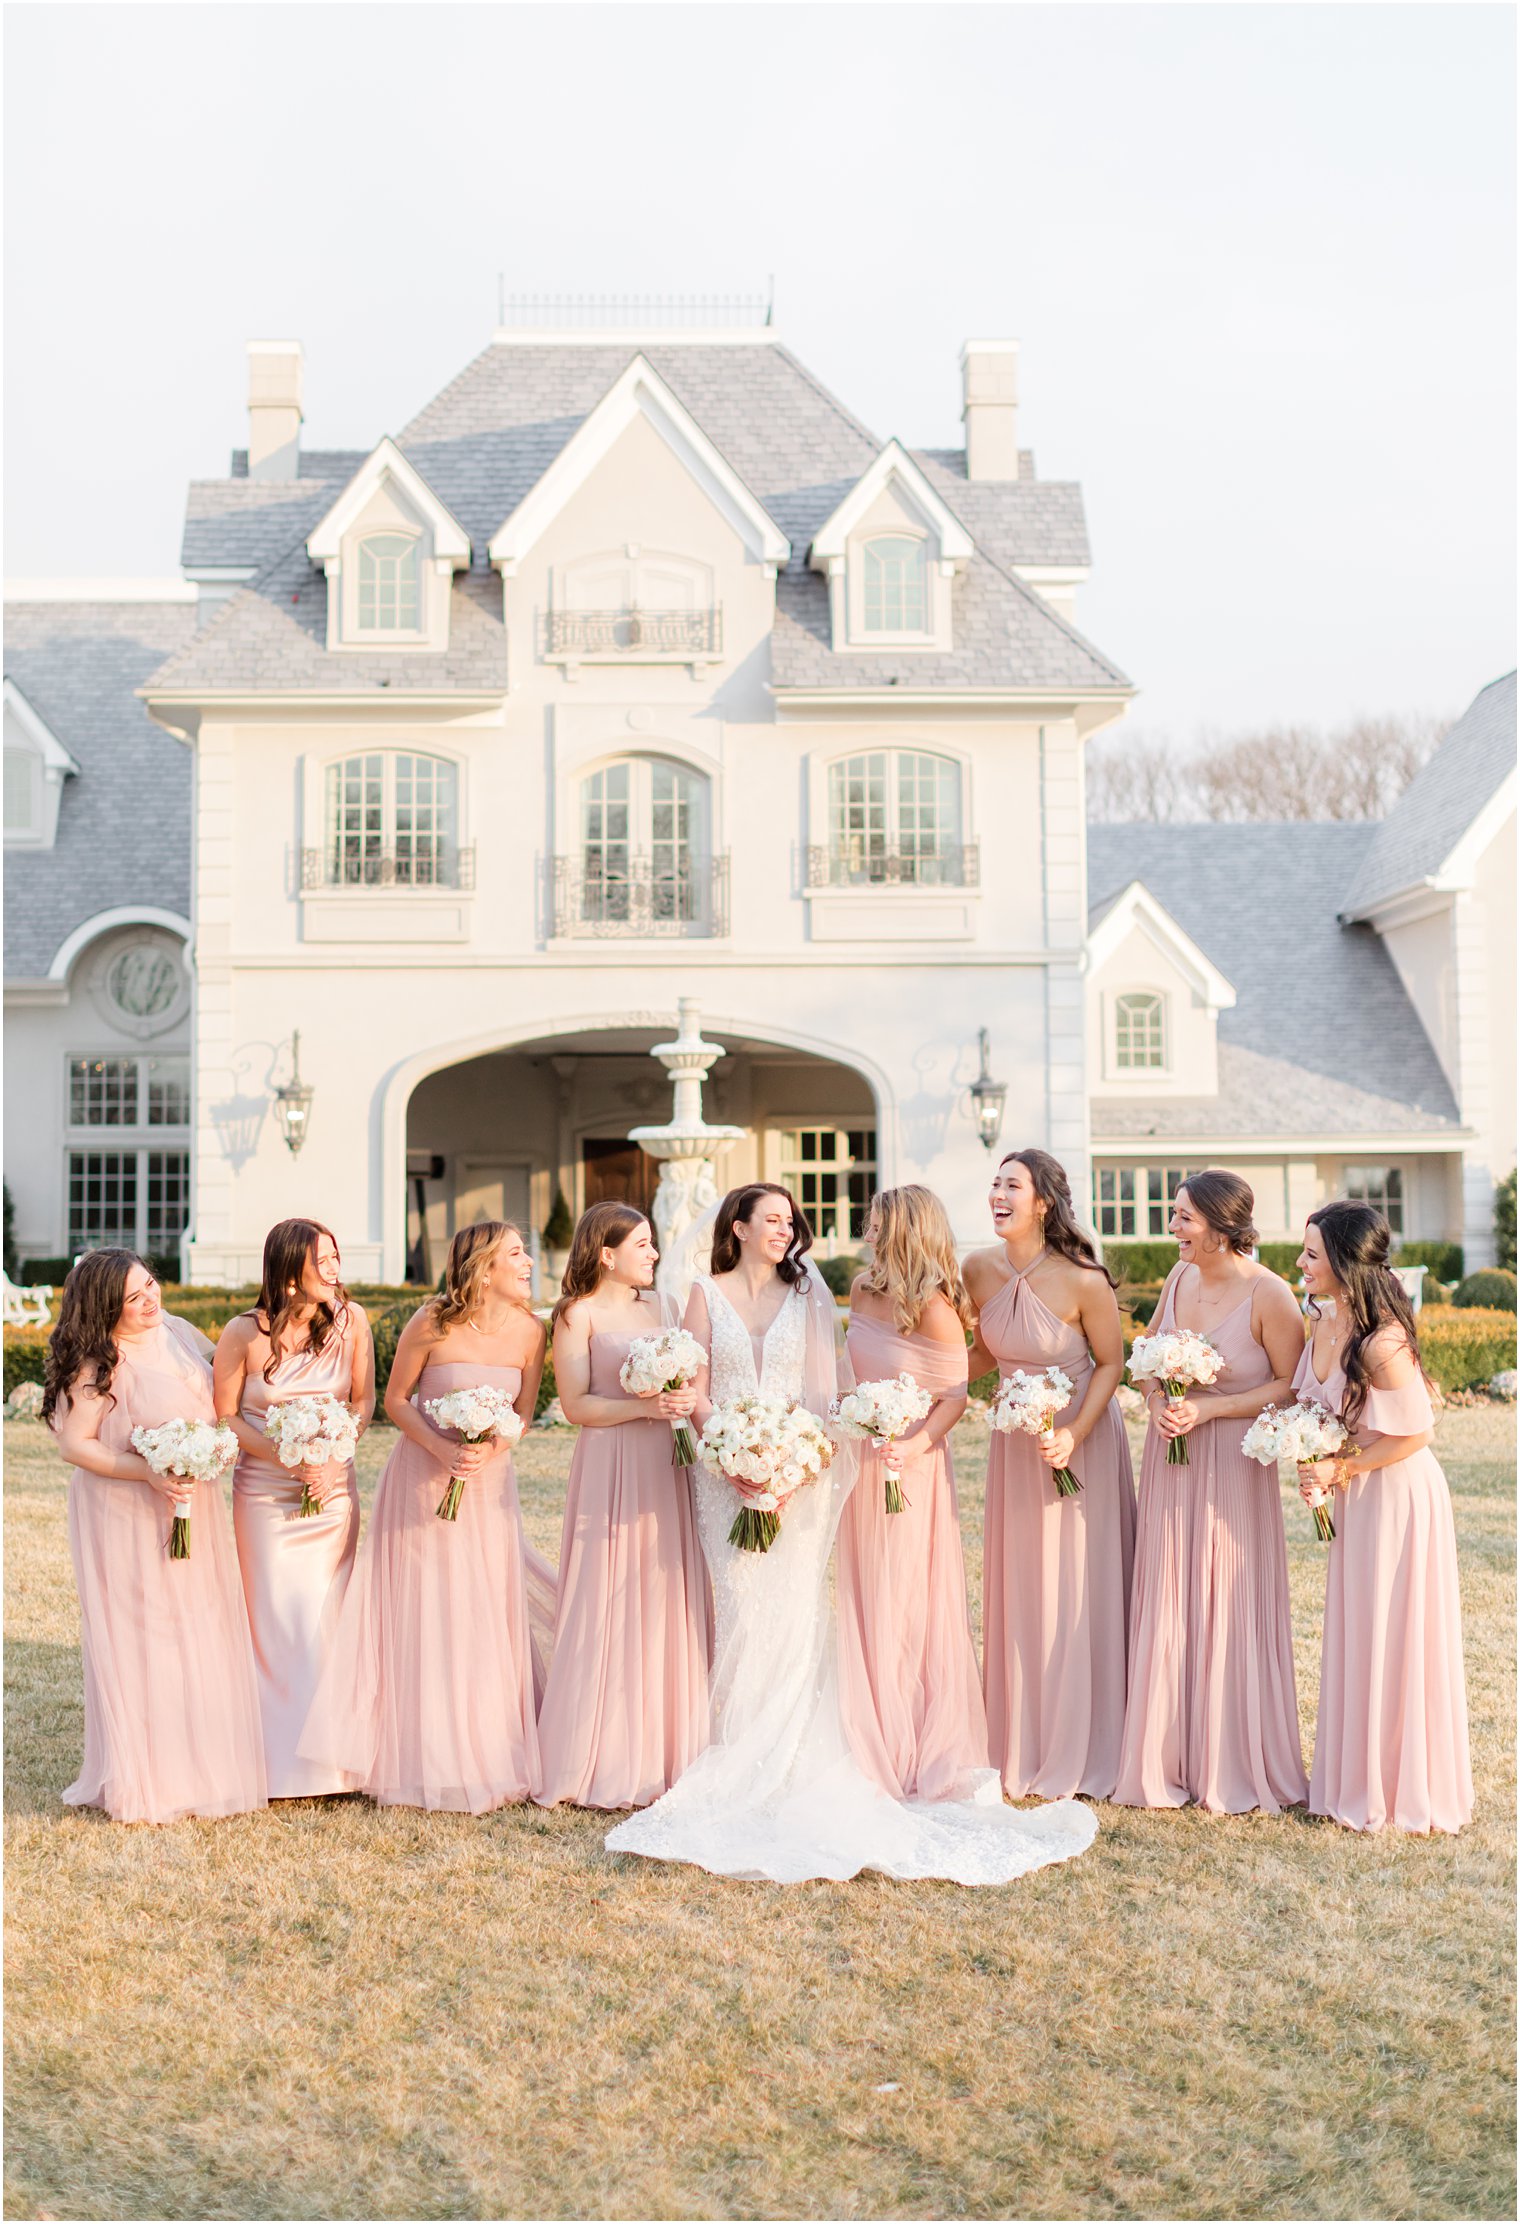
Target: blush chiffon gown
171,1711
1391,1748
430,1693
1056,1574
295,1569
909,1693
1213,1705
625,1708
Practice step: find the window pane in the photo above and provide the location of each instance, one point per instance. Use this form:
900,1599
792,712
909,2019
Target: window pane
1139,1032
389,578
168,1092
894,585
832,1174
102,1092
168,1200
21,784
102,1199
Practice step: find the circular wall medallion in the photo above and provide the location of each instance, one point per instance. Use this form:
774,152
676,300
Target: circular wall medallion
142,981
641,718
138,983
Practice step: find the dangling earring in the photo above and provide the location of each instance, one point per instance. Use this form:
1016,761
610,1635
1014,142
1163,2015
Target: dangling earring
290,1289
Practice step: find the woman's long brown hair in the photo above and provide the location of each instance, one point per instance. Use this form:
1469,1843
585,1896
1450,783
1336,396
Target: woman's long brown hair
913,1255
1358,1242
289,1248
85,1335
1062,1231
600,1228
467,1272
740,1204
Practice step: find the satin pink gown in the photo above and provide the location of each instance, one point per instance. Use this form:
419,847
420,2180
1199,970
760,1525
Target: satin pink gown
1213,1704
625,1708
1391,1749
430,1692
171,1712
295,1571
1055,1575
909,1694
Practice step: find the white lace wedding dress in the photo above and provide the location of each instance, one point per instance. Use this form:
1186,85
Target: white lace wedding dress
777,1795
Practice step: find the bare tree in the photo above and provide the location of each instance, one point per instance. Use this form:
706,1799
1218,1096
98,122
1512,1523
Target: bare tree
1357,770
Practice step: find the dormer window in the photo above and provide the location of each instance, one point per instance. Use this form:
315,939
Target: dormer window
389,583
1140,1032
36,766
895,585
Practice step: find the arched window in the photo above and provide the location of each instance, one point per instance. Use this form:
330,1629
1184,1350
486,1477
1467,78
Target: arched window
1139,1032
389,574
895,599
643,863
895,815
392,820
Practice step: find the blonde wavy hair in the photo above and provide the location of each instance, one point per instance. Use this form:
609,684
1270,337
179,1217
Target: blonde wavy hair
468,1270
913,1257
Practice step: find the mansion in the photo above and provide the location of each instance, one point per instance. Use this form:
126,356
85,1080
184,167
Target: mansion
636,669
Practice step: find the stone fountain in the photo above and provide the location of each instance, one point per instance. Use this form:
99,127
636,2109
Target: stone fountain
686,1146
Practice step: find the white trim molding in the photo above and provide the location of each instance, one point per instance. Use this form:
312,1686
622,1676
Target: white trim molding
120,915
639,392
324,543
1136,907
830,542
51,765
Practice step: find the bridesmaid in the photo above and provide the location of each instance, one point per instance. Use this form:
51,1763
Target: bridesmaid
909,1693
171,1712
1391,1748
1213,1708
304,1338
625,1710
1055,1570
429,1693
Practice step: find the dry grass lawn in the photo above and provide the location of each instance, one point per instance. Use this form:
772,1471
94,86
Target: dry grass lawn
326,2011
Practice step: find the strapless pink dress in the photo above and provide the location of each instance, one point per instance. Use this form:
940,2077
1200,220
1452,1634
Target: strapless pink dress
1391,1749
1213,1704
295,1570
625,1708
171,1711
909,1693
428,1698
1055,1575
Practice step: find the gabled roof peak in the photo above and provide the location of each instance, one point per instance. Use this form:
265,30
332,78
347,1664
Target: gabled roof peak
892,464
450,540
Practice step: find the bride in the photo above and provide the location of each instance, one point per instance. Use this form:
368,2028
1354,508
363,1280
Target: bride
777,1795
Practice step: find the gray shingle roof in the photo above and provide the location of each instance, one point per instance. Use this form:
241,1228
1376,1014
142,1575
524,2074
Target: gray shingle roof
1323,1037
1441,801
487,439
1023,521
124,818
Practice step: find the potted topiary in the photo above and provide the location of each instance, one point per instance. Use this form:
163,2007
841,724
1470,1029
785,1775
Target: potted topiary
557,1232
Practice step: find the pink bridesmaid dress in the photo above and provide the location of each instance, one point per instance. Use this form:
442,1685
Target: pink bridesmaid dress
429,1692
625,1708
1213,1706
1055,1574
1391,1747
171,1712
909,1694
295,1570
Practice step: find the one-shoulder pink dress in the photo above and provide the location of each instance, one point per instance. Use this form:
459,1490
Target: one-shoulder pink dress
1055,1574
1213,1704
909,1694
1391,1749
295,1568
429,1695
171,1712
625,1708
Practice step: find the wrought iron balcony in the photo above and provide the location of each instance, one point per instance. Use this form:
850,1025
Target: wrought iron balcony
868,864
632,634
421,864
589,897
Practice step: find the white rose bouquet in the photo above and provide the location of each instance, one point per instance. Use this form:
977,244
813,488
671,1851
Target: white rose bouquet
1179,1359
1027,1405
475,1415
1303,1432
665,1362
198,1450
879,1413
768,1450
311,1432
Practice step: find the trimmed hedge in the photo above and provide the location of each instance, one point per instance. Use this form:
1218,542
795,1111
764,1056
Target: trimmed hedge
1442,1261
25,1355
838,1274
1493,1286
1463,1349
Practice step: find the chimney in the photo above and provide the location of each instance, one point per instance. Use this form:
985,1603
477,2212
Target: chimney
274,408
990,408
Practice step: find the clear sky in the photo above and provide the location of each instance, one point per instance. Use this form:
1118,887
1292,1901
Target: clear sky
1261,261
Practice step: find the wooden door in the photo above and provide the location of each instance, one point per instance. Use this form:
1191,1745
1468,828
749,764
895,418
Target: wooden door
617,1169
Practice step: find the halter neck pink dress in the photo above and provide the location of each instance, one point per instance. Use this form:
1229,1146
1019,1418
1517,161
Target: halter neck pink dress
1391,1749
1055,1574
625,1708
429,1694
1213,1705
295,1570
909,1693
171,1713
